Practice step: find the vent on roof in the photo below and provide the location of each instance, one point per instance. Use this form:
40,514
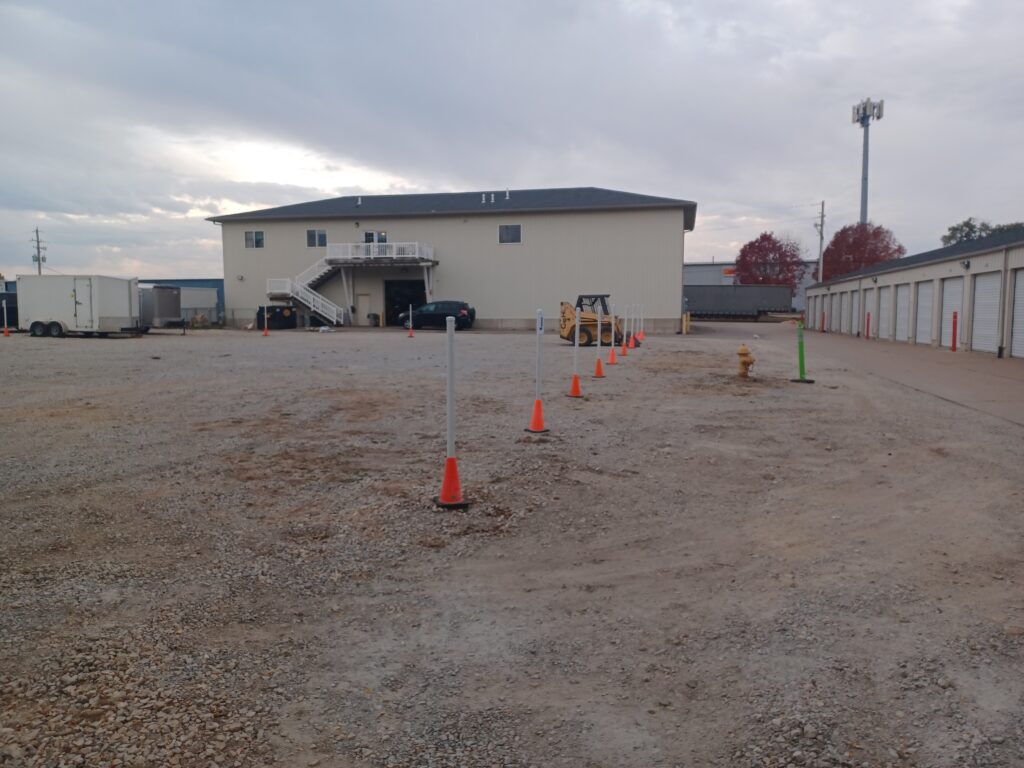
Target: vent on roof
506,194
359,201
492,198
483,198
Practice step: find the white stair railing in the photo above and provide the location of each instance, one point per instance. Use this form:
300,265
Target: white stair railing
315,271
317,302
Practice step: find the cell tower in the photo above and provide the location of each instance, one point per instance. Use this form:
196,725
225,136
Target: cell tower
863,114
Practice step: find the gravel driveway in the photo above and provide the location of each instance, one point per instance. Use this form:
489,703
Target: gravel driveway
220,550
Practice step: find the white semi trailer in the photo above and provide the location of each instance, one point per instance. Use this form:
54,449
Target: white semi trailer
55,305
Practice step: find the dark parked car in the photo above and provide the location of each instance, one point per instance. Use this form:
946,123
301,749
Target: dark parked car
434,314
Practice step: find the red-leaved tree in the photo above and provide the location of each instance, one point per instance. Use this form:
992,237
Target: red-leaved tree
856,246
767,260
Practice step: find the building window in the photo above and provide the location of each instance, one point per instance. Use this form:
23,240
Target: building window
253,239
510,233
316,238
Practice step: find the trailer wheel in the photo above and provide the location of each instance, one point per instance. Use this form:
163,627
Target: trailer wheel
56,330
37,329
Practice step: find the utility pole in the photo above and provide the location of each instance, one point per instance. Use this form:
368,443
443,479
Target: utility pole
820,226
38,256
862,115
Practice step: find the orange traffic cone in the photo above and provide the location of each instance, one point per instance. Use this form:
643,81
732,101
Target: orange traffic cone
574,389
611,356
598,369
410,331
451,490
266,327
632,342
623,352
6,331
640,336
537,420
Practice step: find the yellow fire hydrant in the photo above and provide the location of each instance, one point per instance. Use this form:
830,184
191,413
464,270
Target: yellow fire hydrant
746,361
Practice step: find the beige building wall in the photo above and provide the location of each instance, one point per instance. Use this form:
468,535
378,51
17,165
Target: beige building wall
636,256
1004,260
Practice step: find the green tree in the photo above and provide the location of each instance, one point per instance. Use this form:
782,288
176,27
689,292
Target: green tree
972,229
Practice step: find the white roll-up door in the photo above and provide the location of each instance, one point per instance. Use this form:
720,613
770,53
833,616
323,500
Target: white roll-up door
855,322
952,301
985,314
885,312
844,325
924,313
869,309
902,312
834,314
1017,337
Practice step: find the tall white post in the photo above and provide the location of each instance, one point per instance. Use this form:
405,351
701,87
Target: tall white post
599,332
540,335
449,323
576,345
5,314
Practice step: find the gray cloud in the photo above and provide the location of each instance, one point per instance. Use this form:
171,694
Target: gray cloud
740,105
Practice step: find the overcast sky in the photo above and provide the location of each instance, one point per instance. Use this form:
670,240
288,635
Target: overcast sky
125,124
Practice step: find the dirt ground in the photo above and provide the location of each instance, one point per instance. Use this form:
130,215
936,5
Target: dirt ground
220,550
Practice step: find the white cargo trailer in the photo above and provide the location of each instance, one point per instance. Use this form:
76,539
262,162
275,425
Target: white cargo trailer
54,305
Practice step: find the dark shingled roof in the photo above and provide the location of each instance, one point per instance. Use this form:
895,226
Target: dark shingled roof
468,204
994,242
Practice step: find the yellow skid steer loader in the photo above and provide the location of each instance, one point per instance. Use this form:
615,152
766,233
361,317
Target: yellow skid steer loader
588,304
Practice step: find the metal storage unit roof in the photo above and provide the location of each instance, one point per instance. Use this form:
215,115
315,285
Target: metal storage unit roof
968,247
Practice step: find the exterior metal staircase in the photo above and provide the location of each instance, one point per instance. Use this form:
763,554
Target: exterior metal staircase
346,258
300,288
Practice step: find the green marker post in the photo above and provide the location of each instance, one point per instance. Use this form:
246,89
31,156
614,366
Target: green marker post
800,356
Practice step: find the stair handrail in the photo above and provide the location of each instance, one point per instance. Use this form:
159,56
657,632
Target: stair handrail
318,303
314,271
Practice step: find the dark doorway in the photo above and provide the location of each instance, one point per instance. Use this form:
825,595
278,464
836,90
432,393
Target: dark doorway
399,294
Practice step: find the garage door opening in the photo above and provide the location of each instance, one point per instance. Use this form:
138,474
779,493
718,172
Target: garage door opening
399,294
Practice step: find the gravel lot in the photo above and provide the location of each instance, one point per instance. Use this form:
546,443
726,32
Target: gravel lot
220,550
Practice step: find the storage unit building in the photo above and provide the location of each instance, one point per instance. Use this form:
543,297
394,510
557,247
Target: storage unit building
915,298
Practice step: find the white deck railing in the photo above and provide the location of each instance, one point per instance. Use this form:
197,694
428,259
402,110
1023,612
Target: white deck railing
379,250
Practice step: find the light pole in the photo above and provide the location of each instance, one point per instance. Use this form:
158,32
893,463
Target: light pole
863,114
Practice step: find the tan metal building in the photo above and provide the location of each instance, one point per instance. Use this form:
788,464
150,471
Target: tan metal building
506,252
915,299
